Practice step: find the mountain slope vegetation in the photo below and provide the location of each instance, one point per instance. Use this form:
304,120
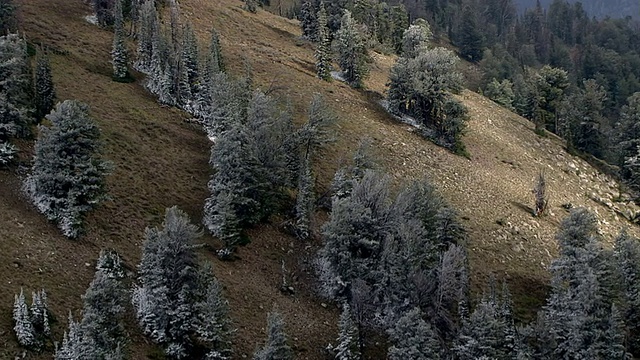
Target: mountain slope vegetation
160,159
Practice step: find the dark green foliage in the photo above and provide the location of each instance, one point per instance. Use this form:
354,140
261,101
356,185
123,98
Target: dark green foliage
104,10
16,96
323,49
353,57
420,88
119,56
276,347
8,22
67,177
470,39
627,258
547,86
304,200
582,117
45,93
501,92
310,20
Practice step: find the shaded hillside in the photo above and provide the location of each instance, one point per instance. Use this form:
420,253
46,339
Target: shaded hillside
160,160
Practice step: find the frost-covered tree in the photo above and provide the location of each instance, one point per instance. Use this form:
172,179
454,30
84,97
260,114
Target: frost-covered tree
16,106
276,347
323,49
413,338
45,93
352,51
31,324
348,342
148,27
23,327
67,176
75,345
168,283
315,132
119,57
104,10
627,257
304,200
420,87
309,20
212,322
415,38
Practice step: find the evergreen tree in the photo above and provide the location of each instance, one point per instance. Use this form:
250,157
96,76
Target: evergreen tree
45,93
16,106
323,49
164,298
39,316
581,115
67,177
8,23
315,132
413,338
352,51
310,21
470,42
415,38
212,323
548,86
501,92
627,258
75,345
304,200
119,57
148,28
23,327
348,347
276,347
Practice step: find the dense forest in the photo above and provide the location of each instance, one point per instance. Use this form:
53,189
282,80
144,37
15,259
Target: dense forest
392,255
597,8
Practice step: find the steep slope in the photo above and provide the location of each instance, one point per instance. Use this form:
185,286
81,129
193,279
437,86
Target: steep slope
160,160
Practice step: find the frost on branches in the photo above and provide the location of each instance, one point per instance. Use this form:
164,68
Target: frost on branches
67,176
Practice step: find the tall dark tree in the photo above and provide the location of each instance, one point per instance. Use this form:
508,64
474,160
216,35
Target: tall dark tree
353,57
45,93
470,38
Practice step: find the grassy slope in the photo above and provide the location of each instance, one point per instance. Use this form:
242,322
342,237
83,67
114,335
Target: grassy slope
161,161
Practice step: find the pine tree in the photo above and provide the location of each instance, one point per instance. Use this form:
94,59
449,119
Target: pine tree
415,38
627,258
75,345
164,298
148,27
323,49
276,347
8,21
16,97
352,51
470,37
212,323
67,177
119,57
315,132
413,338
304,200
348,347
23,327
310,21
45,93
39,315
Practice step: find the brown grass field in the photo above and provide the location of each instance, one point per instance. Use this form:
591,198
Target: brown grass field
160,160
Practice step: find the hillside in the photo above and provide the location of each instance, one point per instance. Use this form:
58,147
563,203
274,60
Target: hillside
160,160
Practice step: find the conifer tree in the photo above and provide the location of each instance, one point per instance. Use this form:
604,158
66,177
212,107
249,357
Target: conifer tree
352,51
39,315
67,177
7,17
148,27
16,98
45,93
119,57
323,49
304,200
164,298
309,20
276,347
413,338
23,327
415,38
627,257
348,347
212,324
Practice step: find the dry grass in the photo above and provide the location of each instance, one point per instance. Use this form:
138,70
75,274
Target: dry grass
161,161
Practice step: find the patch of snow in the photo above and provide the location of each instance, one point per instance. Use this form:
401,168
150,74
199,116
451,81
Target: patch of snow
92,19
404,118
212,138
338,76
